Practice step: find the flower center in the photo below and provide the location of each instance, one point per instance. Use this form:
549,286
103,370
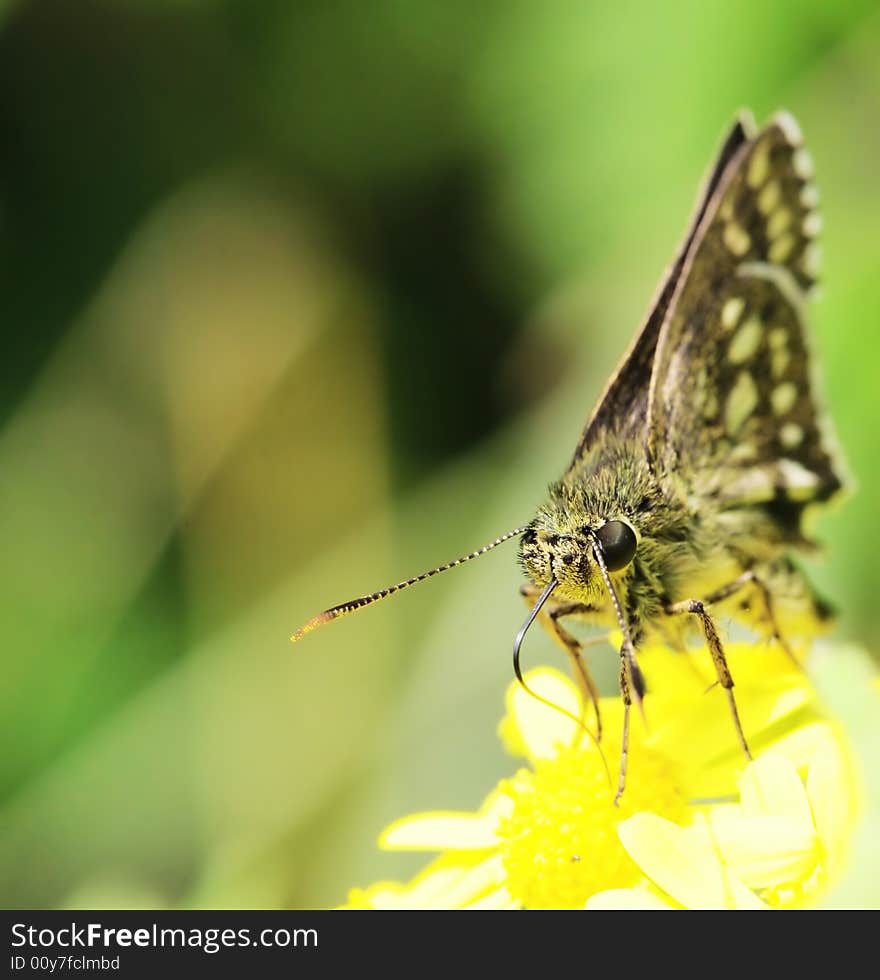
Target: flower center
560,843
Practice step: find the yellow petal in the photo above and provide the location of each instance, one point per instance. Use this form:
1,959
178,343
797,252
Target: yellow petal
832,799
494,900
360,899
715,756
799,746
473,884
627,898
382,897
765,851
451,882
787,701
684,864
537,728
770,786
757,664
674,724
679,675
440,831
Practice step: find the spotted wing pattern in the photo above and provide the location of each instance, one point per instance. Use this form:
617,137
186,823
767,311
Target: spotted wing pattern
732,406
623,407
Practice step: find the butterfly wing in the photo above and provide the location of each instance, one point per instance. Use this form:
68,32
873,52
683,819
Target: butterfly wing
732,403
623,407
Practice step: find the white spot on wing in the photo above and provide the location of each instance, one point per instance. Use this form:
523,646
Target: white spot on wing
750,485
811,260
736,238
783,397
779,221
812,224
790,129
791,435
777,337
745,341
799,482
732,311
779,359
743,452
802,163
759,165
741,401
769,197
781,248
809,196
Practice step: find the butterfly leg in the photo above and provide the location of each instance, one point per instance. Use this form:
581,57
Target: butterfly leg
751,577
780,579
761,586
549,618
697,607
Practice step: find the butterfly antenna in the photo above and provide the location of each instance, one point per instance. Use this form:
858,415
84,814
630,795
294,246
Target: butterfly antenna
353,605
517,644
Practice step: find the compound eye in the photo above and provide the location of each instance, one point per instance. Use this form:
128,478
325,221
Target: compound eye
618,541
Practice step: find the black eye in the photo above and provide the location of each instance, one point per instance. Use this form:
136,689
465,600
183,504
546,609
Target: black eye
618,542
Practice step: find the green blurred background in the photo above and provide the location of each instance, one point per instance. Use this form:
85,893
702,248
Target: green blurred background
300,298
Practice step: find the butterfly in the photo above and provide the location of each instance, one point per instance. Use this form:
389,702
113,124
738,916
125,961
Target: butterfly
687,492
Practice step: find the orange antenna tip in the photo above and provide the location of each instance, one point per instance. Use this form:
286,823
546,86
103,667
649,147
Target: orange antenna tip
312,624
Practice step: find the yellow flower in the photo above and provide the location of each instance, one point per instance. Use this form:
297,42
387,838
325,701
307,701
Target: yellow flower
551,836
777,848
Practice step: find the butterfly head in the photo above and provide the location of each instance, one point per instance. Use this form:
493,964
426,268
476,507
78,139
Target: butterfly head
569,550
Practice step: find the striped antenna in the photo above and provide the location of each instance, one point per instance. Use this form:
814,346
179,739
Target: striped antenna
336,612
